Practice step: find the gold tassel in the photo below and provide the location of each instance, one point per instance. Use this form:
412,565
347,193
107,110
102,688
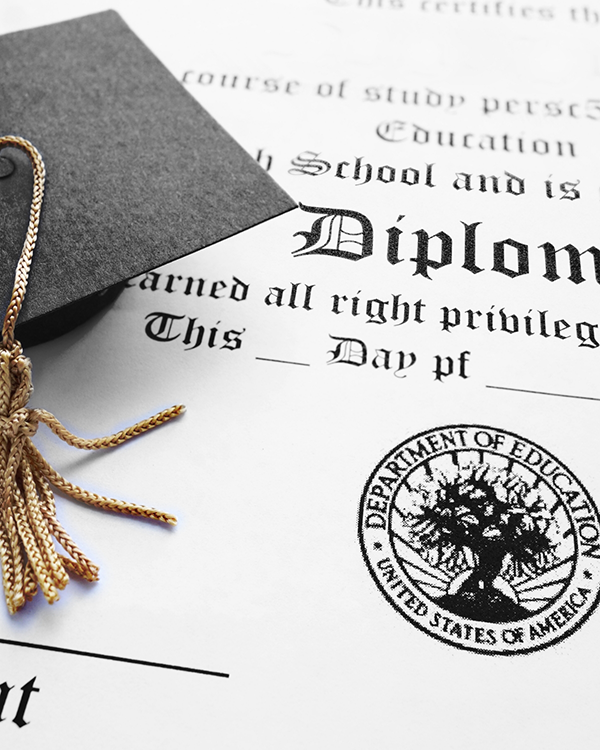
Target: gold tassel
28,522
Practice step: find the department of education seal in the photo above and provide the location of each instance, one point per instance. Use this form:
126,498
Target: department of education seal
482,539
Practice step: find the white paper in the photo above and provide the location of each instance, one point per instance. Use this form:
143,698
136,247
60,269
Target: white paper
307,376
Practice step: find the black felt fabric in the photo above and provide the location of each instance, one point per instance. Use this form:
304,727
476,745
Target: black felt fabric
138,172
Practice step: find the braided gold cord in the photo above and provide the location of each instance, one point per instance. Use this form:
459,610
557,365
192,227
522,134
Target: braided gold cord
28,522
110,441
39,464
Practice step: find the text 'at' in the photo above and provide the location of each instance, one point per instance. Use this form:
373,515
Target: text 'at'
26,691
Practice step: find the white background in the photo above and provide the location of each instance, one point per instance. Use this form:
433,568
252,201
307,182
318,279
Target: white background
263,577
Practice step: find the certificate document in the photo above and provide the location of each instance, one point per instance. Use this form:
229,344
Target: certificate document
386,479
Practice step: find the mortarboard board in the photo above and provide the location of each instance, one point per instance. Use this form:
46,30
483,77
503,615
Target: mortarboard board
139,174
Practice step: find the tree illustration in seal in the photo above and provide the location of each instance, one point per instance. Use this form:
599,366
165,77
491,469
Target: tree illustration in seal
485,527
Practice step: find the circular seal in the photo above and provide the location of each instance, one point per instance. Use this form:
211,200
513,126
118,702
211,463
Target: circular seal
482,539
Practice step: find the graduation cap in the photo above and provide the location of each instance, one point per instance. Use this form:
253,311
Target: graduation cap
139,174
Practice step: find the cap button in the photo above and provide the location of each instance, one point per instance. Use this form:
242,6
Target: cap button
7,167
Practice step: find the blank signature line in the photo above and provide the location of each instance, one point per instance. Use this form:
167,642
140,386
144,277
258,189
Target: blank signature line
283,361
542,393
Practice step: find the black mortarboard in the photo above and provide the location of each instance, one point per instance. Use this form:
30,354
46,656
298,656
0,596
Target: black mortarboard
139,174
